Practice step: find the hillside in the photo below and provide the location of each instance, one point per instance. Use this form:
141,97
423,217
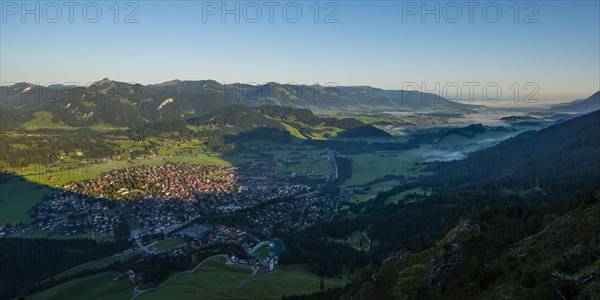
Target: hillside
238,117
535,158
301,123
560,261
104,102
589,104
468,132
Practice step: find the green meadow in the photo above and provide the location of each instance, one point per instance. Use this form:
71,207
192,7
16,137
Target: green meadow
97,286
217,280
17,196
169,244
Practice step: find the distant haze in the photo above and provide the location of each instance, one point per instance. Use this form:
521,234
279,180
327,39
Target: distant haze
350,43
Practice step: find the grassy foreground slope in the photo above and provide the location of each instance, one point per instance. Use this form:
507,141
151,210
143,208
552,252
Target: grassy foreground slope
98,286
17,196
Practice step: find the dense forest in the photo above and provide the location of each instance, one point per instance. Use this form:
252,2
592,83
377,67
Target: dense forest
26,262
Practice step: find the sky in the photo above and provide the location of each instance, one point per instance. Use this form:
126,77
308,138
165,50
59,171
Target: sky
538,52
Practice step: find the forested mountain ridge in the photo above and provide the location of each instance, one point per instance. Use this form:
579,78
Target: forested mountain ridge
327,96
472,261
300,122
580,106
559,158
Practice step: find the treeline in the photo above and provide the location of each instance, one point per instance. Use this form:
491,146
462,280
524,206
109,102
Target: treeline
323,257
357,147
363,131
344,166
24,150
156,129
307,117
240,117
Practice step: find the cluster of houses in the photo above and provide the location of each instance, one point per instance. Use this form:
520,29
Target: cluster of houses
172,181
297,212
155,215
68,214
169,198
202,236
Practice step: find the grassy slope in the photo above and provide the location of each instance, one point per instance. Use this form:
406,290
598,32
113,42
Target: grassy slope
395,199
43,120
373,190
17,196
214,280
370,166
354,240
96,264
90,287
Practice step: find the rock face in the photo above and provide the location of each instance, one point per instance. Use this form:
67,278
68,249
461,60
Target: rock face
166,102
561,261
450,254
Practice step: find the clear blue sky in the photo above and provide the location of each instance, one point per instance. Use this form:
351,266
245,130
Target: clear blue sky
370,44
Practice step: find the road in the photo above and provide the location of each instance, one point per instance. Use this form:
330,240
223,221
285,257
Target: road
146,249
364,233
366,237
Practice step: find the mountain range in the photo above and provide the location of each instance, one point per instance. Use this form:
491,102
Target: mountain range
124,104
589,104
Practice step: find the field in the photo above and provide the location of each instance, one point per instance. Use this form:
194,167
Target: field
98,286
372,190
169,243
43,120
402,195
58,175
79,171
17,196
96,264
356,240
216,280
370,166
262,251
